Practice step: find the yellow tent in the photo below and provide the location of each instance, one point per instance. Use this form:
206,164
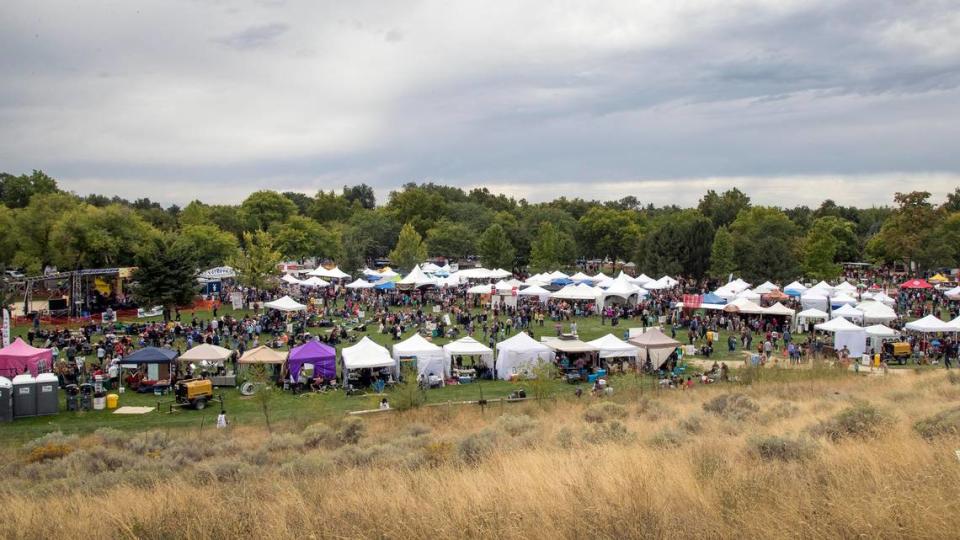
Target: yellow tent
939,278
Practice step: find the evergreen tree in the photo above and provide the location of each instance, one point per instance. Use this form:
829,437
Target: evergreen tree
165,275
722,261
495,248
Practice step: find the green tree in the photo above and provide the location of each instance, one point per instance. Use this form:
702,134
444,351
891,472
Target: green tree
677,244
418,207
209,245
326,207
91,237
765,244
410,249
369,235
264,208
495,249
165,275
722,258
257,261
16,191
33,229
909,235
608,233
8,236
301,237
723,208
451,240
362,194
551,248
820,251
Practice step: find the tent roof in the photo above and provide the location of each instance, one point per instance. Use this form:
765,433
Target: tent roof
654,338
534,290
290,278
939,278
467,346
312,350
21,348
415,344
150,355
206,351
285,304
930,324
522,342
847,310
845,287
795,286
879,330
916,284
612,346
766,287
877,310
360,283
580,276
366,354
580,291
953,293
334,273
263,355
779,309
314,281
813,314
569,345
838,325
742,305
417,278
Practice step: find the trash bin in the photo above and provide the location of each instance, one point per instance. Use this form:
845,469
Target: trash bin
6,400
24,396
48,394
99,401
112,401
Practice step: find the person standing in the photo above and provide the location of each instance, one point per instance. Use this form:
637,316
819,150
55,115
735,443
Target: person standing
222,419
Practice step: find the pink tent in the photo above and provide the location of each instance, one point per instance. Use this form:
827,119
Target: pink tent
18,356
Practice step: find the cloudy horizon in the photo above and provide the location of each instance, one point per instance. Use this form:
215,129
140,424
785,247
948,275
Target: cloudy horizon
791,101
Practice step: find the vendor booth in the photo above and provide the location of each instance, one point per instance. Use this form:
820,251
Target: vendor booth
654,346
610,346
367,354
156,360
846,334
285,304
212,360
519,355
429,358
467,346
320,357
19,357
262,355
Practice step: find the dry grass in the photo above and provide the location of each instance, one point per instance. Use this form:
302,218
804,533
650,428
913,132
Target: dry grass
746,469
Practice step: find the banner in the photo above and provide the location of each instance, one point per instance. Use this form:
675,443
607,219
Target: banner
6,327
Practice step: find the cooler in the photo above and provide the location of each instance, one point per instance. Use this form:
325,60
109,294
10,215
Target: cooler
24,395
6,400
112,401
48,395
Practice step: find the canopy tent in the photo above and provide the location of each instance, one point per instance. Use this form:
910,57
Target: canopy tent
536,291
430,358
385,286
658,284
883,299
848,312
930,325
570,346
332,273
360,283
285,304
640,280
206,352
766,287
467,346
846,287
19,356
520,354
655,346
315,282
748,294
290,279
778,309
953,294
367,354
815,299
795,289
804,317
881,331
711,298
580,291
416,278
150,355
500,273
874,311
481,289
600,277
610,346
621,288
556,274
580,276
824,286
263,355
321,356
742,305
842,299
475,273
846,334
387,273
668,281
916,284
737,285
939,278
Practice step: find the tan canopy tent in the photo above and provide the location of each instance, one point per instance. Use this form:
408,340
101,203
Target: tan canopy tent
205,351
263,355
655,345
570,346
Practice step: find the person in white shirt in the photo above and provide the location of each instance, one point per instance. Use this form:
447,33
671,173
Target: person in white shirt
222,420
384,404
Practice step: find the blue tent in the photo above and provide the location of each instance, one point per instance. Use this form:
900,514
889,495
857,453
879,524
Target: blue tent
561,282
150,355
711,298
386,286
793,292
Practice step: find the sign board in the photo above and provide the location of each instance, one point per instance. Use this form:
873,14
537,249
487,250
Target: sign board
6,327
236,299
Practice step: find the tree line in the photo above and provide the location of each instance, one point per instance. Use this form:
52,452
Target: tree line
42,225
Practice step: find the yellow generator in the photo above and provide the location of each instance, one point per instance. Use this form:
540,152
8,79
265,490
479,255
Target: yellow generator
897,352
194,393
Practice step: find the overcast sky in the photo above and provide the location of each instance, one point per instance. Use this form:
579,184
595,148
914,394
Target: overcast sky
793,101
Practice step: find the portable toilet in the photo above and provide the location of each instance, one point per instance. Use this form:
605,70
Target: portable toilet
6,400
48,395
24,395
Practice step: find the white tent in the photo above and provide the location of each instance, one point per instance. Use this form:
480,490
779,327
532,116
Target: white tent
314,282
807,315
668,281
737,285
846,334
883,299
519,354
600,277
742,305
580,291
360,283
206,352
778,309
467,346
290,279
842,299
656,285
816,299
930,325
953,294
621,288
483,288
366,354
285,304
580,276
333,273
848,312
416,278
611,346
846,287
654,345
430,357
475,273
556,274
430,268
824,286
766,287
537,291
640,280
726,293
881,331
795,287
748,294
874,311
500,273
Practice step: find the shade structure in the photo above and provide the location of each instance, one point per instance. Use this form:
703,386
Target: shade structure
367,354
571,346
813,314
483,288
263,355
655,346
848,312
610,346
331,273
475,273
742,305
749,294
623,289
842,299
656,285
953,294
360,283
916,284
556,274
580,277
766,287
321,356
883,299
881,331
930,325
429,357
838,325
824,286
938,278
206,352
20,356
815,299
467,346
315,282
795,289
519,355
385,286
416,278
640,280
290,279
779,310
846,287
500,273
580,291
150,355
711,298
537,292
285,304
846,334
874,311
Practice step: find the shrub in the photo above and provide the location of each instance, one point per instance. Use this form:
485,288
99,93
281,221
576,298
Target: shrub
111,437
953,377
781,411
566,438
351,431
732,406
691,424
320,435
475,446
418,430
311,464
775,447
603,411
149,443
667,438
943,423
408,395
52,438
437,453
612,431
282,441
48,452
862,420
516,425
652,409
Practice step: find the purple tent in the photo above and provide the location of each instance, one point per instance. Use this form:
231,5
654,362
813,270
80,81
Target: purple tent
322,356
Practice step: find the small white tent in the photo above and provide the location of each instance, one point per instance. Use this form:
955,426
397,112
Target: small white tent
416,278
429,357
366,354
314,282
360,283
520,354
536,291
610,346
467,346
848,312
930,325
285,304
333,273
846,334
874,311
290,279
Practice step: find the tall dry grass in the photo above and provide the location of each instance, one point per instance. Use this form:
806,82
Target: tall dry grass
651,465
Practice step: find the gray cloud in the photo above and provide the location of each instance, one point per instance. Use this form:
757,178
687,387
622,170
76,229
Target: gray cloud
254,36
